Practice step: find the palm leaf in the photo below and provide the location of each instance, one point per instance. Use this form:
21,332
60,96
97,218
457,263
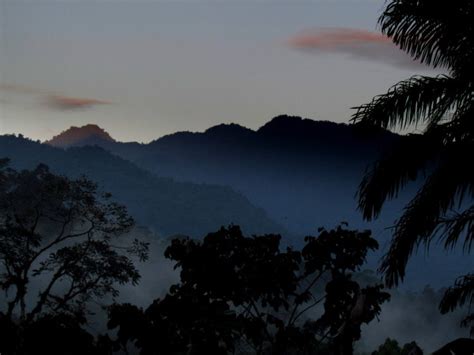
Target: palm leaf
420,99
444,190
461,127
436,33
385,178
461,293
452,228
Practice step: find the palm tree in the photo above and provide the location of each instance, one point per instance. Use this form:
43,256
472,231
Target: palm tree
441,35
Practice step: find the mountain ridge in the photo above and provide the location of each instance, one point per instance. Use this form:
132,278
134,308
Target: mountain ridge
302,173
287,160
84,135
160,203
277,126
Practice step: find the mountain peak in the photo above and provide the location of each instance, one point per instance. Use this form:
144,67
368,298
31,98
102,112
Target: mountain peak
229,129
89,134
285,125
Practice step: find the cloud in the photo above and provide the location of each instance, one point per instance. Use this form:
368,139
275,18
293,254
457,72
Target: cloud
358,44
336,38
19,89
48,99
66,103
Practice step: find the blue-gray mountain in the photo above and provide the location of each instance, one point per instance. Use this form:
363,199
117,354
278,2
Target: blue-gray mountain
303,173
166,206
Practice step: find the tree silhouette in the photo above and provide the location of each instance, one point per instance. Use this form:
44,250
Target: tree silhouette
460,346
442,36
57,253
244,293
391,347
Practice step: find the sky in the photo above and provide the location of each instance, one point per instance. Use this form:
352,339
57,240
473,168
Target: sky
141,69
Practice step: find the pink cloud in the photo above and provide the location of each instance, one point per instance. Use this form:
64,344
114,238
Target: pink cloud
52,100
60,102
359,44
336,38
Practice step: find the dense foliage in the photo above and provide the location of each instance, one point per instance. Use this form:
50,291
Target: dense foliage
244,294
57,251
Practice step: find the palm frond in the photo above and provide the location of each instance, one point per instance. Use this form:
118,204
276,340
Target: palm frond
444,190
461,126
420,99
451,228
458,295
434,32
389,175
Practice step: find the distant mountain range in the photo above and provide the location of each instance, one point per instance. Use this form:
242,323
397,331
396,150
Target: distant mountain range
291,176
164,205
304,173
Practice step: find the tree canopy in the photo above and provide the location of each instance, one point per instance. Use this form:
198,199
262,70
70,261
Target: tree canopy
58,251
246,294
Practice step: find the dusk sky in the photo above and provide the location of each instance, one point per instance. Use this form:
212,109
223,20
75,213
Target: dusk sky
142,69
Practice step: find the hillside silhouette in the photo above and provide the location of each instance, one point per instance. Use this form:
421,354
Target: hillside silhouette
303,173
289,161
167,206
90,134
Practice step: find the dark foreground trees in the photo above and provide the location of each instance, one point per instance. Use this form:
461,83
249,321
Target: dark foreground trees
57,255
60,253
439,34
391,347
245,294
